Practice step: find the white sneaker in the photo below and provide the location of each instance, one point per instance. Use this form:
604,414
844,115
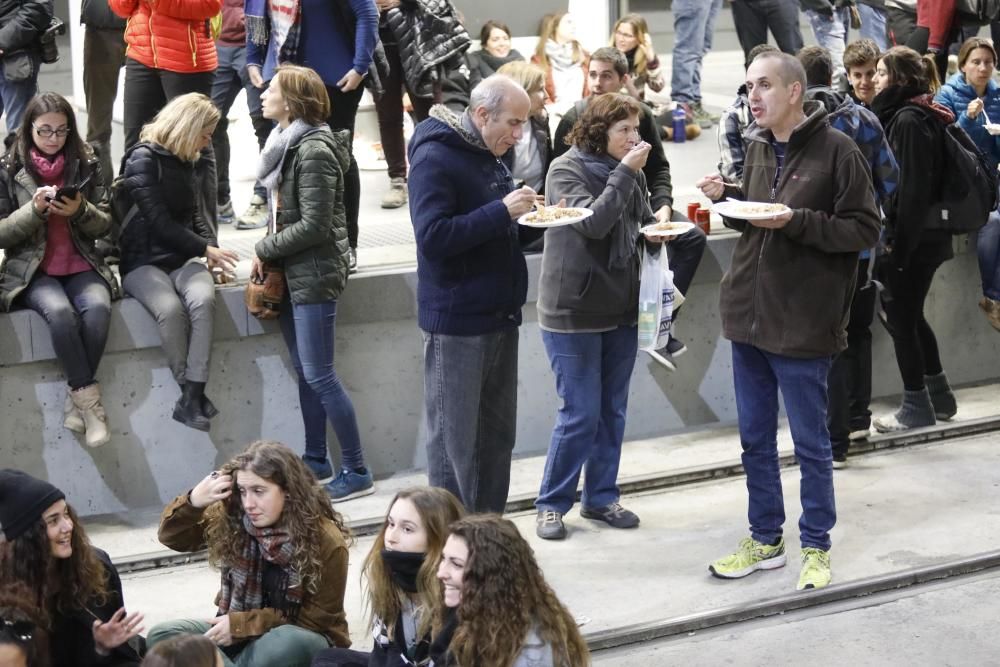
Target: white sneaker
861,434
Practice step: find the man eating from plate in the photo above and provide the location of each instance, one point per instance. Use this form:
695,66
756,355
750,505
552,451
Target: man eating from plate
784,304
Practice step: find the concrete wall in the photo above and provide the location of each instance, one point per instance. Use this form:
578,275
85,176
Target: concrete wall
379,357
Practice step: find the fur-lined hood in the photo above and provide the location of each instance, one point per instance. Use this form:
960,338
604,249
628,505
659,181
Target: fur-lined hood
446,126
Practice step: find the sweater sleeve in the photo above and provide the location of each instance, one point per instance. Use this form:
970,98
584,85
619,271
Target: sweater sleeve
937,16
365,33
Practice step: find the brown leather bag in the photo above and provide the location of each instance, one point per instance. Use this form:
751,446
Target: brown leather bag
264,294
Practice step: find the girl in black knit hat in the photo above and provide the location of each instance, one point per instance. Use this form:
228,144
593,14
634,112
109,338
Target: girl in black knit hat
44,547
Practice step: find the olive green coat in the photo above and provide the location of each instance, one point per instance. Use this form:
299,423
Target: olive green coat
23,232
311,242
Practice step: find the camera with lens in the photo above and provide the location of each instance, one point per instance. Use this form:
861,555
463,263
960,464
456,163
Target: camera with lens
47,40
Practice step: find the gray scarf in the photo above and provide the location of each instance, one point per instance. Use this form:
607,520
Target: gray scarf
635,212
273,156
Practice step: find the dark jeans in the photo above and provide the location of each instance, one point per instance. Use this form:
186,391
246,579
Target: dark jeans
390,112
231,77
593,371
684,254
988,249
343,111
340,657
850,381
470,406
77,309
912,337
15,95
308,330
103,57
148,90
758,375
753,18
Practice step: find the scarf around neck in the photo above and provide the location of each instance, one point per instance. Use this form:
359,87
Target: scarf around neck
49,170
404,568
259,27
635,213
561,56
242,581
272,158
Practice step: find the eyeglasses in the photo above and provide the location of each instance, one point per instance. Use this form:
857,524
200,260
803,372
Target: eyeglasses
45,131
19,630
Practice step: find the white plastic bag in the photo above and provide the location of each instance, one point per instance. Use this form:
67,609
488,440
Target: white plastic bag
651,298
669,300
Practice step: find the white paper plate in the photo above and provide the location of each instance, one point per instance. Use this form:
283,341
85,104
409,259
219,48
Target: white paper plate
584,214
993,128
732,209
678,229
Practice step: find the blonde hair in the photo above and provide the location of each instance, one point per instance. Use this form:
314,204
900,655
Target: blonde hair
641,29
529,75
179,125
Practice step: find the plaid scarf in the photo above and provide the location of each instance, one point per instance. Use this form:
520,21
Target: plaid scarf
258,27
242,582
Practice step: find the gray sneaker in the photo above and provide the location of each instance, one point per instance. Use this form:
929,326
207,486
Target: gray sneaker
397,195
614,515
255,216
704,119
225,213
549,525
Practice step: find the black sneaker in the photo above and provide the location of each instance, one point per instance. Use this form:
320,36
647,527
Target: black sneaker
549,525
614,515
675,348
839,461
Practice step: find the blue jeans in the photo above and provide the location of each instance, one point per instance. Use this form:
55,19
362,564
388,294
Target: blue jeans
874,25
592,372
308,329
694,24
830,31
470,411
77,309
758,375
988,248
15,95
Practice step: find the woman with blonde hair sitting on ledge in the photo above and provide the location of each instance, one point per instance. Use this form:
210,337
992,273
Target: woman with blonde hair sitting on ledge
163,244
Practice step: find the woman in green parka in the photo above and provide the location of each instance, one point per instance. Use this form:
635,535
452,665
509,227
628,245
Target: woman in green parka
302,167
48,226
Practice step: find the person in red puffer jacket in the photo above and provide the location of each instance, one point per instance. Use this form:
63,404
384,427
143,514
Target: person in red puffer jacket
170,52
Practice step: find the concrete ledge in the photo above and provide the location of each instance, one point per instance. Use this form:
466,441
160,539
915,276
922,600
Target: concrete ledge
380,360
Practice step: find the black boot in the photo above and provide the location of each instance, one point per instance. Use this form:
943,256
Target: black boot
188,408
208,407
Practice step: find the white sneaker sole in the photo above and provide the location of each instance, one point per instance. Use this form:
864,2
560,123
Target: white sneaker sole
663,361
357,494
854,436
768,564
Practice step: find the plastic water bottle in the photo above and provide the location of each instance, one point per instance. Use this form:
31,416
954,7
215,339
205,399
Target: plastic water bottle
680,120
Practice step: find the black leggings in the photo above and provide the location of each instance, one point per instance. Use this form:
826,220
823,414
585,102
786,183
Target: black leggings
147,90
343,111
914,341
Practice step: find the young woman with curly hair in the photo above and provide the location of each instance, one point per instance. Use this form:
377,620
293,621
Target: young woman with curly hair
282,550
73,584
493,588
402,586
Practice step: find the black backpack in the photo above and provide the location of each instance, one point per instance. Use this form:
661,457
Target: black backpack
123,209
977,12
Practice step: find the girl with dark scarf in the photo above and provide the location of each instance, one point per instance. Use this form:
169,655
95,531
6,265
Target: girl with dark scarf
282,550
402,586
915,124
494,53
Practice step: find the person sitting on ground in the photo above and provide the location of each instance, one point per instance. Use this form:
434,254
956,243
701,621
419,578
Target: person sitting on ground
402,588
607,72
302,167
564,61
494,588
494,52
50,261
974,97
631,36
73,583
733,123
24,641
184,651
282,550
161,177
860,59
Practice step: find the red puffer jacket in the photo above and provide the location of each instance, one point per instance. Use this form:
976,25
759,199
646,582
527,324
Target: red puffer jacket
170,34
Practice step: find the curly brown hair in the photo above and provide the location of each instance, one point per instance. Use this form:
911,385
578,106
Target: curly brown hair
438,509
16,607
590,132
306,506
504,596
82,578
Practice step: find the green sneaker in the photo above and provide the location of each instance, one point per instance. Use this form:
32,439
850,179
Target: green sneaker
815,569
750,557
704,118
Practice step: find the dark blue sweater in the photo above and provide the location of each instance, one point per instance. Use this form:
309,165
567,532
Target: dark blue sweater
471,274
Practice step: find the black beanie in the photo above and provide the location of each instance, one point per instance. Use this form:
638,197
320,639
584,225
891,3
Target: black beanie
22,501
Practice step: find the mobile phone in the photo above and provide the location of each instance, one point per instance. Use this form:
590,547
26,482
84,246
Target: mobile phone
70,191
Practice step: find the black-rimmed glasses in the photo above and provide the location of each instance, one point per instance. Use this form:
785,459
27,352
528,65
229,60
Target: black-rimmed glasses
45,131
19,630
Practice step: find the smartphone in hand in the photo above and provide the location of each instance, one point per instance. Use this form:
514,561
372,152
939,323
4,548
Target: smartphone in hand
68,192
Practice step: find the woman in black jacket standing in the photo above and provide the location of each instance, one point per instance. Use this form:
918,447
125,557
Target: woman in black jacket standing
161,247
79,593
905,84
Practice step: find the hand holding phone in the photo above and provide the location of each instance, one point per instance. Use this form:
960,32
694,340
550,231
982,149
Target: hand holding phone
69,192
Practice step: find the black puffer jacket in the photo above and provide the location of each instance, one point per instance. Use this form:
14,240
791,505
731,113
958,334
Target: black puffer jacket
21,22
98,14
167,231
311,242
429,35
23,233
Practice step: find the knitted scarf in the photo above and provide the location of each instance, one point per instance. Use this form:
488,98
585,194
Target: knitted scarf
242,581
49,170
561,56
287,23
272,158
637,210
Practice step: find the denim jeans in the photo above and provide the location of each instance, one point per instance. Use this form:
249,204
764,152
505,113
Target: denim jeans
874,25
470,411
231,77
286,645
308,330
988,249
830,31
753,18
694,25
758,375
77,309
592,372
850,381
684,254
15,95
